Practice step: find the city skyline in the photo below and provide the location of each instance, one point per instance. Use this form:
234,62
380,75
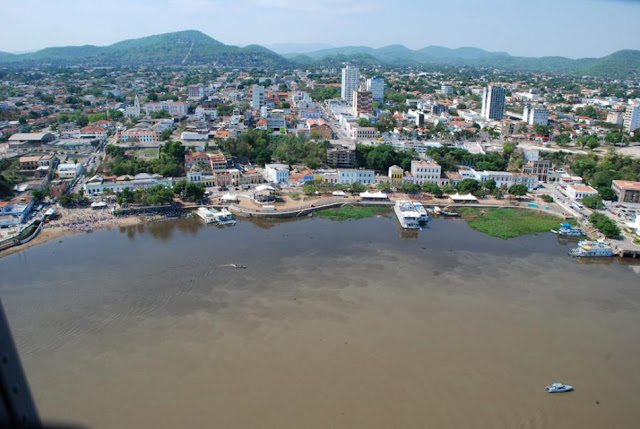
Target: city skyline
579,28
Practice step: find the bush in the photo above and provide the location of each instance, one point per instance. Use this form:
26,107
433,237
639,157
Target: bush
605,225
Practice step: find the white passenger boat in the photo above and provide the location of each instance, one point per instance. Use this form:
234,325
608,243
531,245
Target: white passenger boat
559,388
424,216
206,215
407,214
587,248
211,215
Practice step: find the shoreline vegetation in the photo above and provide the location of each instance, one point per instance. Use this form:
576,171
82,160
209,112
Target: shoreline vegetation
508,222
353,212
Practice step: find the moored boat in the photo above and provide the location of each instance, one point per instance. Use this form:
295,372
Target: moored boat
559,388
587,248
406,214
424,216
567,230
211,215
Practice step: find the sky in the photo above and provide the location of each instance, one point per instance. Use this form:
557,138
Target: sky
571,28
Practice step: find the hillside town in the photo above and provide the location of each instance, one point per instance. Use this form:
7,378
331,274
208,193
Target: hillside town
119,138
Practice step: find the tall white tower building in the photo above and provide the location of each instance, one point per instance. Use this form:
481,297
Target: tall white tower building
350,83
632,118
257,99
493,99
375,85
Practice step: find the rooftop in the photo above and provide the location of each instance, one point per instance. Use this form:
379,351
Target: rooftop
627,185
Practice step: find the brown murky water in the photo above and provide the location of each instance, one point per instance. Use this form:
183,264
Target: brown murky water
332,324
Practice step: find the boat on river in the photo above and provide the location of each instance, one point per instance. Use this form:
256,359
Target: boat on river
559,388
439,211
566,230
588,248
407,215
424,216
217,217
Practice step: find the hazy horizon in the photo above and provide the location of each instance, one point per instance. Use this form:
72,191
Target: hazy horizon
573,28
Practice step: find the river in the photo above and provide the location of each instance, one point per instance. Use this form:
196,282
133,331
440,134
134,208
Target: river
333,324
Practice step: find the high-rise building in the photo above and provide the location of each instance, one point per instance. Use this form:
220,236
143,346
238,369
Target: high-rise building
535,115
195,92
350,83
376,86
362,102
257,98
632,118
493,99
446,89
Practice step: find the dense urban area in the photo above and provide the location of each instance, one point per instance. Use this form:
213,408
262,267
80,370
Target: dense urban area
124,139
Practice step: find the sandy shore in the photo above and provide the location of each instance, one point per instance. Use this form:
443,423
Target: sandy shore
75,221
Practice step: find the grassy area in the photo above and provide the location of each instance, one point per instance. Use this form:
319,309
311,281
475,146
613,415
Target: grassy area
294,196
508,222
353,212
145,154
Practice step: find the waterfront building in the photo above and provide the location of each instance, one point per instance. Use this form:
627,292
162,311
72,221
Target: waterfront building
348,176
627,191
578,192
632,118
426,172
396,174
97,185
493,101
375,85
276,173
350,83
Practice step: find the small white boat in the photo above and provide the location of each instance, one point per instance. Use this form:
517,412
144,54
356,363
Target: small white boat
559,388
424,216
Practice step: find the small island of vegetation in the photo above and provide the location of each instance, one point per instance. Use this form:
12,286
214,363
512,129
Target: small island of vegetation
508,223
353,212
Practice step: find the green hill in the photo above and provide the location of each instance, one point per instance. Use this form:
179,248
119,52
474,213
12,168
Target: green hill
183,47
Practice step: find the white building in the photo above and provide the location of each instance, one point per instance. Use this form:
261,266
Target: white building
276,173
375,85
98,185
69,170
349,176
578,192
195,92
535,115
426,172
143,136
493,99
446,89
632,118
350,83
133,111
257,97
194,136
174,108
615,117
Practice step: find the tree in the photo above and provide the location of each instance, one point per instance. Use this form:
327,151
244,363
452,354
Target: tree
518,190
432,189
386,123
489,185
593,201
357,187
194,191
38,195
410,188
159,195
364,122
604,225
468,186
607,193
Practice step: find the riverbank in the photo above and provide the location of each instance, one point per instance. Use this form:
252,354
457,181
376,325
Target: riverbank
508,223
75,224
